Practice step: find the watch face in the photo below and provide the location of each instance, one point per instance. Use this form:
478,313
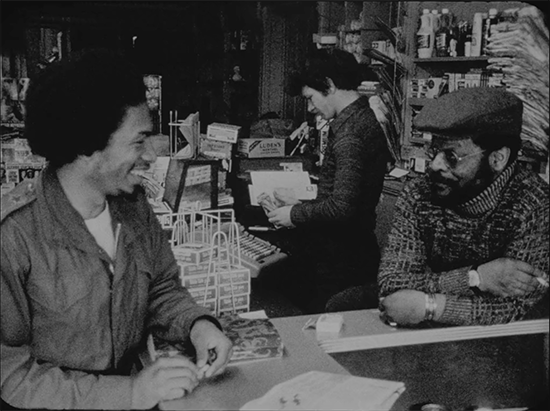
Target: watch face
473,278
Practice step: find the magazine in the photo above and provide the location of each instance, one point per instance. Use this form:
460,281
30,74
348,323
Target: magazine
253,339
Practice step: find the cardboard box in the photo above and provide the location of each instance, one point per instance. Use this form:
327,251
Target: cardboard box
216,149
237,310
227,303
198,293
195,281
223,132
194,253
210,304
225,290
237,275
261,147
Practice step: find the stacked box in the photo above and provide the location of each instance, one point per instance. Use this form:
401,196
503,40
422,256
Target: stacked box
194,253
228,133
214,287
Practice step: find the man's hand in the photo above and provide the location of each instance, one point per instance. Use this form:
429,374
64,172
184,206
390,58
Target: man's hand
280,217
284,197
506,277
167,378
405,307
213,348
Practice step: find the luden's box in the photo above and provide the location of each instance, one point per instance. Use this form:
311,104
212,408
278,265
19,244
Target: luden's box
261,147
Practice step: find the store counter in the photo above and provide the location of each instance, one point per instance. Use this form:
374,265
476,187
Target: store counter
500,366
245,382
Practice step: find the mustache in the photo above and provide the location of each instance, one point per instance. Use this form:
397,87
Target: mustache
435,177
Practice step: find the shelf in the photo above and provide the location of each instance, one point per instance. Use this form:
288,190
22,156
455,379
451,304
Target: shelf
478,59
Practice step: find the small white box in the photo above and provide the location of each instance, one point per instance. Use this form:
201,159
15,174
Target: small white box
329,323
223,132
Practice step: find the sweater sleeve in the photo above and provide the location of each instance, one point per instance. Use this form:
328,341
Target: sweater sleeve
26,382
404,266
529,245
360,165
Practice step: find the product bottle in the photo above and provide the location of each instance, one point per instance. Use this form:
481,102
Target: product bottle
453,36
477,34
442,34
468,41
425,36
490,21
435,19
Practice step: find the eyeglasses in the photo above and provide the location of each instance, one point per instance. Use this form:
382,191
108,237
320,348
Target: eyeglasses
451,158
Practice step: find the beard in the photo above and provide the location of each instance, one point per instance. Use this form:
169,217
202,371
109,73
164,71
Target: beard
450,192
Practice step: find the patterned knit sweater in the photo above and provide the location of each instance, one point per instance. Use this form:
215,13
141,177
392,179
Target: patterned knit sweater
431,249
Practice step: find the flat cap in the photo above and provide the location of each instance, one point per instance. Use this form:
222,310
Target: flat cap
472,112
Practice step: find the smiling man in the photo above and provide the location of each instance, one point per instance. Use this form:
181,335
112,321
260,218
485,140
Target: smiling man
469,242
86,271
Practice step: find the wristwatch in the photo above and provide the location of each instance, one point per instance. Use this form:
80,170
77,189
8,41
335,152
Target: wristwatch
473,278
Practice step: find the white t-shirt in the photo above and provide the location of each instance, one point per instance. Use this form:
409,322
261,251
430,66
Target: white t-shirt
102,230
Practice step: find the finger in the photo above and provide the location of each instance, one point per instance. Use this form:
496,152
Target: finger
171,374
539,273
527,283
174,394
176,361
217,366
529,269
184,383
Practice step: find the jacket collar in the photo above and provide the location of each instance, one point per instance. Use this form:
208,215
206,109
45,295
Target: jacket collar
347,112
63,224
488,199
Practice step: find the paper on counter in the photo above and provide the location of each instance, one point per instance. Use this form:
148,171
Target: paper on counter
317,390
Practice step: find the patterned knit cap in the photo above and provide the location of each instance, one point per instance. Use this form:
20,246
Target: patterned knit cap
472,112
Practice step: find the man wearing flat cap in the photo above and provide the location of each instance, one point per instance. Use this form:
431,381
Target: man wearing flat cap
469,242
